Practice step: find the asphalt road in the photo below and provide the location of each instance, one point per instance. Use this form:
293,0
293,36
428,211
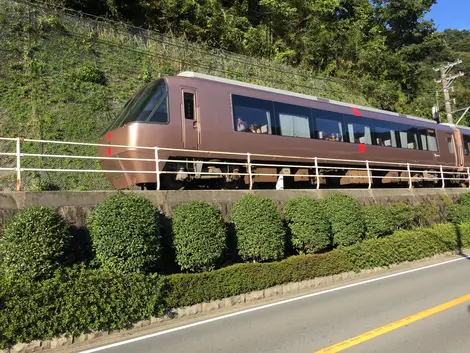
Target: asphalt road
315,323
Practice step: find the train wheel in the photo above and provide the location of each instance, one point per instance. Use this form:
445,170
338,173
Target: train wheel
169,182
232,185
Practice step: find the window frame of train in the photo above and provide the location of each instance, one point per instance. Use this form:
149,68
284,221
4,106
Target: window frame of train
293,116
189,107
323,123
243,106
321,119
145,98
466,144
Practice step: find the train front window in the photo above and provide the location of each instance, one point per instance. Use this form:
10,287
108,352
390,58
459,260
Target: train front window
149,105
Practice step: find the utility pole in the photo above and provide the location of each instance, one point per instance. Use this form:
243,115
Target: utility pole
446,82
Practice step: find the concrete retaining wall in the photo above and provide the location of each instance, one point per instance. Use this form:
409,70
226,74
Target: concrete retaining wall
75,206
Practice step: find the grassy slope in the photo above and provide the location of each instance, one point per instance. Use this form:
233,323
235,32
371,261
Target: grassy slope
49,89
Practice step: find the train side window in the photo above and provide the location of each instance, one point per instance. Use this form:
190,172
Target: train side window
423,138
252,115
293,120
357,132
450,143
432,140
409,137
466,144
385,136
188,105
328,125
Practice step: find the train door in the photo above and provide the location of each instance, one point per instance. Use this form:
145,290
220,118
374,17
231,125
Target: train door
451,143
190,117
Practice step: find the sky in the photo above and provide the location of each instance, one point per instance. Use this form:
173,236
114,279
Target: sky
454,14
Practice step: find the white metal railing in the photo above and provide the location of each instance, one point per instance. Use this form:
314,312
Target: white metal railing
246,160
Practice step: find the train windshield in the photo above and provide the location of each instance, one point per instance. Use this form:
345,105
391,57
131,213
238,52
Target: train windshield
150,104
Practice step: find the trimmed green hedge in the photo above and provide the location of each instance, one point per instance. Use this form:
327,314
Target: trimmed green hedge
258,228
199,235
125,235
189,289
377,221
34,243
80,300
402,216
184,289
75,301
345,218
308,223
409,245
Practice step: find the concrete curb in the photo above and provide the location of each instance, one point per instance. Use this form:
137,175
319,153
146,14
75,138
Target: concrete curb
64,342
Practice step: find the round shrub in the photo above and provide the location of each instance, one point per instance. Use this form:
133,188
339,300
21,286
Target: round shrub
427,214
259,228
377,221
34,243
462,209
402,216
124,230
345,218
308,224
199,235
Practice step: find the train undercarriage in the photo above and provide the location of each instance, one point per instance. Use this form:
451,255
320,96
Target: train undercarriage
228,175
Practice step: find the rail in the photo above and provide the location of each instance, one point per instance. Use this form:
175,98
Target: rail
247,160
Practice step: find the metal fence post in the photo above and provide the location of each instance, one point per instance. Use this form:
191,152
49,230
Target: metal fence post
368,175
442,178
157,168
248,155
18,164
317,176
409,176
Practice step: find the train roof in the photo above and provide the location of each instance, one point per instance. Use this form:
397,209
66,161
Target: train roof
193,74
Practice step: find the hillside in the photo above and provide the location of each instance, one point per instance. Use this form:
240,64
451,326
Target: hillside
65,75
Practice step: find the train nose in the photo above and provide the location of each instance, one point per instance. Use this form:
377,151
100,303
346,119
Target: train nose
109,137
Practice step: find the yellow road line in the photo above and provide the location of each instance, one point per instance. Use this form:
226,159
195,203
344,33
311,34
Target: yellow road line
393,326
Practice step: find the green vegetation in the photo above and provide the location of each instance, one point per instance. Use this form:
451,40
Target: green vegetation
344,215
308,223
64,76
76,301
185,289
120,286
259,229
402,216
125,233
34,244
377,221
199,236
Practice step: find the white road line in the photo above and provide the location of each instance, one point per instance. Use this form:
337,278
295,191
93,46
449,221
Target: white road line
161,333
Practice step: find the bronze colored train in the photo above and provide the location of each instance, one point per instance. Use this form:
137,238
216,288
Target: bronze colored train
192,111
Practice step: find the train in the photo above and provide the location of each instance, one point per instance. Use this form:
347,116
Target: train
205,126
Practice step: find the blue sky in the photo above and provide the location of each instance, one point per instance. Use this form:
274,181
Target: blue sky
453,14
